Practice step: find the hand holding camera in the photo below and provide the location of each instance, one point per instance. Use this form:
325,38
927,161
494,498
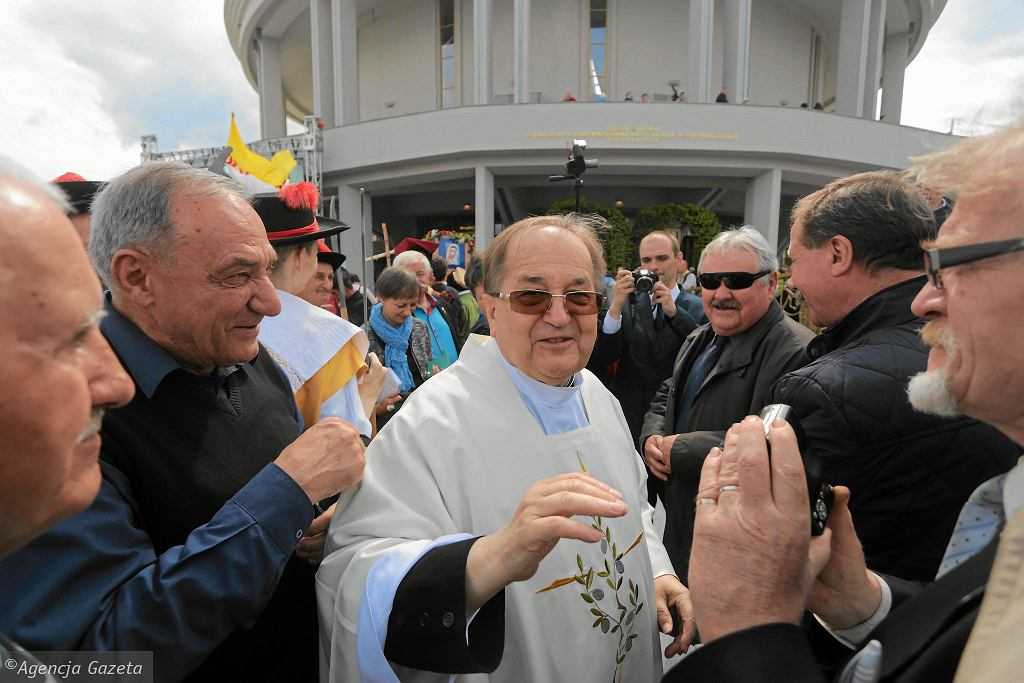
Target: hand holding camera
620,293
662,296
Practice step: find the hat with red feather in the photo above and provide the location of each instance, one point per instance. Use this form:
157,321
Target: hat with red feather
79,191
289,215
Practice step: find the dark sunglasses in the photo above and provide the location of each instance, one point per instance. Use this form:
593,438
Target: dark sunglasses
538,302
731,280
937,259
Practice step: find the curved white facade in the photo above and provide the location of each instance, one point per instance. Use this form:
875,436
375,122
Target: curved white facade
430,105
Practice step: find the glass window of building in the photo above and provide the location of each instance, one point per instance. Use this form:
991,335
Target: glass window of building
447,53
598,47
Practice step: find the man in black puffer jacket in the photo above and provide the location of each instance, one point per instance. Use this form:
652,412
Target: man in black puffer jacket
856,258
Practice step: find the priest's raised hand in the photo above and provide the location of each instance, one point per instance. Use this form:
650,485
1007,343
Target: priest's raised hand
543,518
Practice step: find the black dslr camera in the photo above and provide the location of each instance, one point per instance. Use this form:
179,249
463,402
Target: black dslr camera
820,493
644,280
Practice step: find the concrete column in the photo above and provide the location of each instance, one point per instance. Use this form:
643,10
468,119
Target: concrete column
873,69
521,41
320,31
764,194
271,90
702,24
854,29
896,50
344,31
736,59
357,243
482,51
484,207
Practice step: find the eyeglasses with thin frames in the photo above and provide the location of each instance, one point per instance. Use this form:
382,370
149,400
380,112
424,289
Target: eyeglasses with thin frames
937,259
538,301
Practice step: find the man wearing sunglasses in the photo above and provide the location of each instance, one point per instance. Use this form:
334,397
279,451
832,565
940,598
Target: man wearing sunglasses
504,506
724,370
856,258
967,623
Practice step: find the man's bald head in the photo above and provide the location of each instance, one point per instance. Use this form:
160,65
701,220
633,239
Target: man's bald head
58,372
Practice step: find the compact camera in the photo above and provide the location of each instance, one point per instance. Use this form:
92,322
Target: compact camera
819,493
644,280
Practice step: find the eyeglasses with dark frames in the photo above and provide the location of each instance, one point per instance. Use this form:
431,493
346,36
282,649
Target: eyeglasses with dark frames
538,301
731,280
937,259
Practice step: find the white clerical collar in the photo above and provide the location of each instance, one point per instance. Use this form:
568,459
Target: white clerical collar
556,409
539,391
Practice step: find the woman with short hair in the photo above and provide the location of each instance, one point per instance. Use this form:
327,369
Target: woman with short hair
400,340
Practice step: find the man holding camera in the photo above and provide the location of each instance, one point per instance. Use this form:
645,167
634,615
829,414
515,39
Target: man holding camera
856,258
646,323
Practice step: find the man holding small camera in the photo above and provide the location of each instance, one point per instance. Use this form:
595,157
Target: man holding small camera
646,323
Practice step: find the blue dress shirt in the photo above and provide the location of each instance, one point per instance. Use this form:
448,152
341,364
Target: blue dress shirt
556,409
94,581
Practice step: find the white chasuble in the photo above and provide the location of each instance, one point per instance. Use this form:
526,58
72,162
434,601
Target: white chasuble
458,458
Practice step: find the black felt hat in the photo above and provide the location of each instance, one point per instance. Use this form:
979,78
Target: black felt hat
290,217
79,191
326,255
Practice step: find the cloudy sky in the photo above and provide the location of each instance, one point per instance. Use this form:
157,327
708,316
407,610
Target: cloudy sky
83,81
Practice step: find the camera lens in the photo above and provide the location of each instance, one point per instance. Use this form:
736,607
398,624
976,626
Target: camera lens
643,280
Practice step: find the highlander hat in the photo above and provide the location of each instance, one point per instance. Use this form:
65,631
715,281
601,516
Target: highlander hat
325,255
79,191
289,215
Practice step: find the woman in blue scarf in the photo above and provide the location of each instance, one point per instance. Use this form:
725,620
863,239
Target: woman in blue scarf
401,341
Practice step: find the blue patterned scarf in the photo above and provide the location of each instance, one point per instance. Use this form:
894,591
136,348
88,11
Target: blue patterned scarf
396,345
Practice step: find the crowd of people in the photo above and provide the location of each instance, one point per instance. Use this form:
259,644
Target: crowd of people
222,449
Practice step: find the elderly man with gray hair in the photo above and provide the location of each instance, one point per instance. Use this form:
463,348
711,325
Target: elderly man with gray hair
724,370
208,479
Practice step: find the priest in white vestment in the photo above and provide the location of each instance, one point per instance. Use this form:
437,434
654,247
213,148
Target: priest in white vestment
502,531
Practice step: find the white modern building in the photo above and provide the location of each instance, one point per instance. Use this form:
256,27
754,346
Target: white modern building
445,112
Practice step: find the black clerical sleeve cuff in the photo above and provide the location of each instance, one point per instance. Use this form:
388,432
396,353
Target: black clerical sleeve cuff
773,652
427,626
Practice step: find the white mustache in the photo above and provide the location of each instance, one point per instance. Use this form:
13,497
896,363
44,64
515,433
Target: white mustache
936,335
93,428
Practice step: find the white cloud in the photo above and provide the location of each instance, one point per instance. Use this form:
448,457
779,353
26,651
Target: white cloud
970,72
83,82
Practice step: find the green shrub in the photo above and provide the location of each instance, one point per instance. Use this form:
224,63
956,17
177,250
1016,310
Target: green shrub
703,223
